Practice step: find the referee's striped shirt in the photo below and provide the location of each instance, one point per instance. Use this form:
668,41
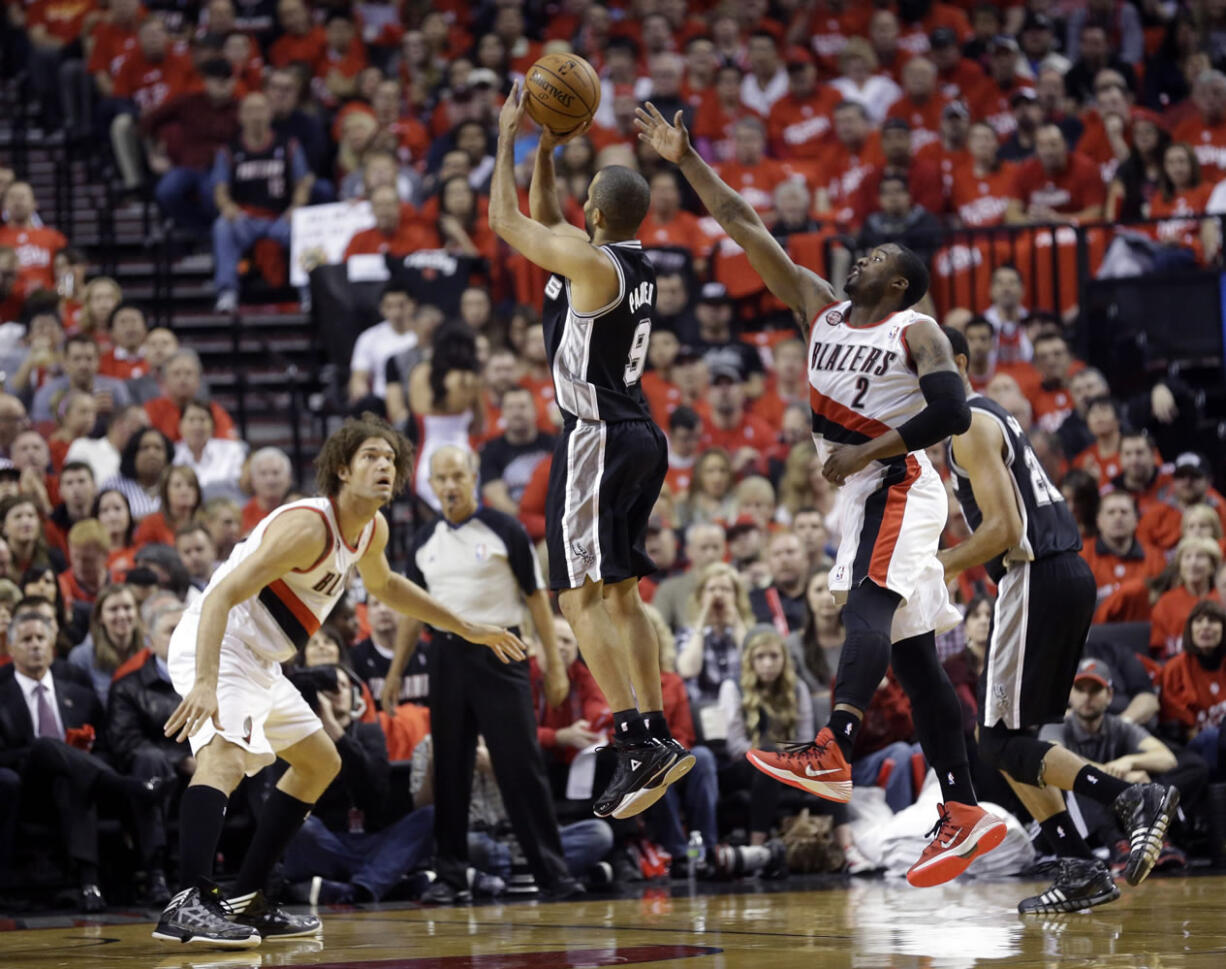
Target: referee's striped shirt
480,569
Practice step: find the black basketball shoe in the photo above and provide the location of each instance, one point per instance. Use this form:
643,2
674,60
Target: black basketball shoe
1145,811
638,765
201,914
1080,883
271,920
654,789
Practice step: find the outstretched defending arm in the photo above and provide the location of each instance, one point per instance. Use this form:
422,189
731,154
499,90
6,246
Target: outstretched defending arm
802,290
414,601
945,411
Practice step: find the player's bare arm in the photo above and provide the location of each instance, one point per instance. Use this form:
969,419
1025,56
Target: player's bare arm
557,249
945,413
543,202
294,540
414,601
980,452
804,292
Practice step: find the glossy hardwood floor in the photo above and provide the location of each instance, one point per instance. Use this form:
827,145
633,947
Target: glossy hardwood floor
1172,923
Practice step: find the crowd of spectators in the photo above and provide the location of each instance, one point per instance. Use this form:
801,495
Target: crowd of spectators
122,484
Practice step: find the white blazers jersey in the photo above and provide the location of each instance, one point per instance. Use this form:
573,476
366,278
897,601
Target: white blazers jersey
862,381
279,620
861,385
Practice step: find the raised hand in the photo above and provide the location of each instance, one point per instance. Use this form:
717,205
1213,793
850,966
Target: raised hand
512,114
671,141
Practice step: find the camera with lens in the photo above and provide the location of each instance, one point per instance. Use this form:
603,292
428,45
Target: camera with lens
311,681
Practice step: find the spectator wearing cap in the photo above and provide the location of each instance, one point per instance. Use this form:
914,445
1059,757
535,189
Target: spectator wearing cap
861,82
922,178
949,151
684,433
745,542
899,219
854,154
782,603
1102,34
190,128
1115,555
750,172
1193,687
1124,750
1005,74
921,105
713,312
766,80
1057,185
982,183
508,461
1191,485
1028,116
958,77
705,544
799,122
1196,561
728,424
1037,41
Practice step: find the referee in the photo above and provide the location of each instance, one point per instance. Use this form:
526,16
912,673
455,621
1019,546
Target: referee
480,562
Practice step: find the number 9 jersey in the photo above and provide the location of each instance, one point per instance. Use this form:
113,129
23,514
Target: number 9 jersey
597,358
1048,527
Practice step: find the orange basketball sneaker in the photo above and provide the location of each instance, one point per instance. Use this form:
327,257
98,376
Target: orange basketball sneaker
818,767
962,833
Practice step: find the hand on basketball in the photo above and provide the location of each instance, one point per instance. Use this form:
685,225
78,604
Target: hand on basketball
550,139
844,461
193,712
671,141
506,645
512,114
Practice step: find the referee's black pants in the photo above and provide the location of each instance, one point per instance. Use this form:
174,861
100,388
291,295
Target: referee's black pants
473,692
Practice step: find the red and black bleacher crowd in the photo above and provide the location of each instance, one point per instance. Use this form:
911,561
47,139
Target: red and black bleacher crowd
845,124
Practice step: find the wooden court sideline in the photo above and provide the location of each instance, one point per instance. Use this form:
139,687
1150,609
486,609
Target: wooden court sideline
1168,922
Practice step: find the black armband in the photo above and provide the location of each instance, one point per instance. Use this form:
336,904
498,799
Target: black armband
947,411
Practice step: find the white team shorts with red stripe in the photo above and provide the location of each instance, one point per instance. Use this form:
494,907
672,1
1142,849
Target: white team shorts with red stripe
259,709
894,514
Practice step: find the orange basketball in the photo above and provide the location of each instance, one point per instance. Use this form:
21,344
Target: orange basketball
563,91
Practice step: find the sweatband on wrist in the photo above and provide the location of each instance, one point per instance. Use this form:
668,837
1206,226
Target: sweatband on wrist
946,412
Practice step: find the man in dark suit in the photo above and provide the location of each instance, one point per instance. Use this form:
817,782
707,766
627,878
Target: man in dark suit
52,734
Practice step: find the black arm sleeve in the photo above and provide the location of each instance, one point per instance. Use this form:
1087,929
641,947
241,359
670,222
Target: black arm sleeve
947,412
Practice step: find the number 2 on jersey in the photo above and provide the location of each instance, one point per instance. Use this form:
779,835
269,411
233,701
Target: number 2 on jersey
861,390
638,353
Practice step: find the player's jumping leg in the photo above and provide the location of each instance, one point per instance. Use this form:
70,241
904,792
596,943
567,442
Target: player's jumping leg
640,758
964,830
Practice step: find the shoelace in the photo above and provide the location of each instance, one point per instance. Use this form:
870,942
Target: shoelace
804,748
942,821
220,903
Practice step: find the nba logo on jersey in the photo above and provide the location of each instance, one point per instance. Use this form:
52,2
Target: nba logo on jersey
894,331
482,551
839,572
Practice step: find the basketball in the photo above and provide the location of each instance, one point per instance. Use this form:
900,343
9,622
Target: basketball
563,91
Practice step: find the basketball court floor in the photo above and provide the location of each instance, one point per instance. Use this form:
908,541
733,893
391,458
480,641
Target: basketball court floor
1172,923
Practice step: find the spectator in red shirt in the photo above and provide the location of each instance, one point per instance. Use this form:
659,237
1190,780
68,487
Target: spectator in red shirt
402,135
799,122
982,185
1196,561
923,179
393,232
950,151
1139,474
35,244
958,77
1056,185
272,480
1115,556
1107,138
112,38
1206,132
668,224
128,330
1187,241
582,717
701,64
856,150
751,173
684,435
1101,459
1193,686
342,60
182,382
985,363
12,286
729,425
718,115
1162,523
191,127
991,103
53,31
301,41
1052,401
922,104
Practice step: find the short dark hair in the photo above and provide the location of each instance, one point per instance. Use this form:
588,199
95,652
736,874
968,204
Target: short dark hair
685,418
1048,337
980,322
957,341
127,459
911,267
397,286
895,178
80,339
77,466
343,444
122,305
623,195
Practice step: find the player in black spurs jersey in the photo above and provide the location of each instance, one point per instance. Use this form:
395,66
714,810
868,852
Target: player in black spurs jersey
610,459
1026,536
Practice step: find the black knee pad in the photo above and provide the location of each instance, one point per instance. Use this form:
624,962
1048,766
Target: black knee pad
1019,753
